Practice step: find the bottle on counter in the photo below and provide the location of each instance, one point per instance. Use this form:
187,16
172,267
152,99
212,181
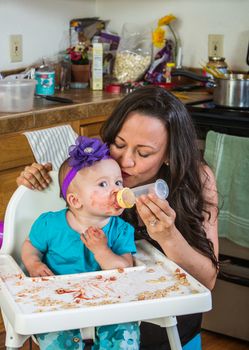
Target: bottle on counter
97,67
217,63
168,69
45,77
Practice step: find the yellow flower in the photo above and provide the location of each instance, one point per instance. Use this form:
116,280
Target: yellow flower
158,37
166,20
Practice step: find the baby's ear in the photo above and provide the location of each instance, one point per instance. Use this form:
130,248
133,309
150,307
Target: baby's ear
73,200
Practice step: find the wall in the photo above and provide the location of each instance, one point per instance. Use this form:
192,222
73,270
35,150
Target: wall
196,19
43,23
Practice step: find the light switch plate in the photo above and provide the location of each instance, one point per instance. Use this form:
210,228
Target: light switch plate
15,42
215,45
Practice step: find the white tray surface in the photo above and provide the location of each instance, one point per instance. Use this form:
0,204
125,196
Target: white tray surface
156,287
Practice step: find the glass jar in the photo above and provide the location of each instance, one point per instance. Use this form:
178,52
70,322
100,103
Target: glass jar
218,63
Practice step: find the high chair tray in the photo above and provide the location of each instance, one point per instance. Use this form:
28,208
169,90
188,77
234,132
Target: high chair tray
156,287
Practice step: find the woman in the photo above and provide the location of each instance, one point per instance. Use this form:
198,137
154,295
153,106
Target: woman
151,135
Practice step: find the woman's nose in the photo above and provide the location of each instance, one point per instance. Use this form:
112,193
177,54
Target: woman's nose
127,160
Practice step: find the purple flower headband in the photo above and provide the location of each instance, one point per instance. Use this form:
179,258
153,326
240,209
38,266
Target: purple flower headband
84,153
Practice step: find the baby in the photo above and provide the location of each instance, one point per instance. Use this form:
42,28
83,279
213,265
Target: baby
86,236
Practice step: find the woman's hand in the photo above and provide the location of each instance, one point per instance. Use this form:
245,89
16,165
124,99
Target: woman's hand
35,176
157,215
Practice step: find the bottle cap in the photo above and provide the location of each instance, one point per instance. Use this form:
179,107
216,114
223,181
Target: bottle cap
126,198
161,189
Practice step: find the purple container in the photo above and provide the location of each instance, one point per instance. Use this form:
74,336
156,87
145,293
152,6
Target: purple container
1,233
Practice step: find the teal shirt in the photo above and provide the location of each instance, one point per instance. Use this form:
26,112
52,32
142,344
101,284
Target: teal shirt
65,253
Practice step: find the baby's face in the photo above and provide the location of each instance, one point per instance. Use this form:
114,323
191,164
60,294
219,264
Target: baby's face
97,186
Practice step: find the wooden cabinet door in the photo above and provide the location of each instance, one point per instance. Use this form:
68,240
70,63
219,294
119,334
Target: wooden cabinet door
91,128
15,154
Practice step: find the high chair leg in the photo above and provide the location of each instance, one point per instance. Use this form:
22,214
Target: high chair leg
170,323
88,333
13,340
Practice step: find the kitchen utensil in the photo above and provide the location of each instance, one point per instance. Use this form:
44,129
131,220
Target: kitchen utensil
232,90
247,56
55,98
17,95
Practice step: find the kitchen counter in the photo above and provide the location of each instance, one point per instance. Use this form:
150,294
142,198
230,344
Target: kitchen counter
86,104
45,113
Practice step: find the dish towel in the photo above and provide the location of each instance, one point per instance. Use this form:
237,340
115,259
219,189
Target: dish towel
228,156
51,145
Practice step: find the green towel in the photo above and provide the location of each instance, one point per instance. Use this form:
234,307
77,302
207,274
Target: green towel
228,156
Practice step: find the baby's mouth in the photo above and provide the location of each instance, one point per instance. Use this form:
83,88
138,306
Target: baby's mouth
115,202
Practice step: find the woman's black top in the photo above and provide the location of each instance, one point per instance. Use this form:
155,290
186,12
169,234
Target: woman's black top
154,337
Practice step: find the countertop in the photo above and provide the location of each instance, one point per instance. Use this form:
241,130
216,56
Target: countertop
86,103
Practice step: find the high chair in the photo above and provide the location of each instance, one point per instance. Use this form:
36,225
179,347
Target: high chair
21,321
24,207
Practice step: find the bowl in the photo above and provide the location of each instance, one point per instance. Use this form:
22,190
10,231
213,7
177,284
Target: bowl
17,95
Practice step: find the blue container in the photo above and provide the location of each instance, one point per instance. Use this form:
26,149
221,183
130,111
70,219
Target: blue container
45,82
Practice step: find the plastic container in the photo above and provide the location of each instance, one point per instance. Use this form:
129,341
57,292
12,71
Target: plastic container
160,188
1,233
126,197
17,95
168,69
45,82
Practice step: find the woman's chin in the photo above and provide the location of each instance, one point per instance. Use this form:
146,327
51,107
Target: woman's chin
130,182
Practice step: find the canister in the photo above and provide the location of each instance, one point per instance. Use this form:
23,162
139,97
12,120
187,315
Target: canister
45,82
218,63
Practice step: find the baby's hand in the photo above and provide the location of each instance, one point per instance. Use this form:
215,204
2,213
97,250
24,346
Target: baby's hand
94,239
38,269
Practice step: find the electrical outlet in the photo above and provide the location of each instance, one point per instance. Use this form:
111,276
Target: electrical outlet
215,45
15,42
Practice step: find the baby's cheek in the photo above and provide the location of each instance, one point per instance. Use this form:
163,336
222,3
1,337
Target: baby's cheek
100,201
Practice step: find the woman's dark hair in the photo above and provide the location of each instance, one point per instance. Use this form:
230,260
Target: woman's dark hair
183,175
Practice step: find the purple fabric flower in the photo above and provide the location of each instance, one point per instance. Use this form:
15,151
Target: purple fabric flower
86,152
83,154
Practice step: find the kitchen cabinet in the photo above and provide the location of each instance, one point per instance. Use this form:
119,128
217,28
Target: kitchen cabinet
92,127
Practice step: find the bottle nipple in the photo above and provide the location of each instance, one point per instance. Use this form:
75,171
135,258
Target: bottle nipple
126,198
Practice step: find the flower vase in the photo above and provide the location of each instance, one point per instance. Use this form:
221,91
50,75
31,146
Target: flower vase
172,36
80,73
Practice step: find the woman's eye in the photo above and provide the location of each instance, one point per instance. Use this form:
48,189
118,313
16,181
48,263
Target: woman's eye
144,155
103,184
118,145
119,183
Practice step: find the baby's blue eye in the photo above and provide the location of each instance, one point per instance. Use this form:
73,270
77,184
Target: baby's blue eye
103,184
119,183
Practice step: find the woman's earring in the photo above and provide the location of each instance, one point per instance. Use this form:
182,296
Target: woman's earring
167,163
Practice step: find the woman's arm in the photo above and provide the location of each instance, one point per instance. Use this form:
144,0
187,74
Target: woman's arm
35,176
31,258
172,241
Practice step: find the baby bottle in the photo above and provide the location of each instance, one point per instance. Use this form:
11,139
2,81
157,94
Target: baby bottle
126,197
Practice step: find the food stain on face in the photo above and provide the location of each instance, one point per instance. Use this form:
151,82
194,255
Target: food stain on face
107,203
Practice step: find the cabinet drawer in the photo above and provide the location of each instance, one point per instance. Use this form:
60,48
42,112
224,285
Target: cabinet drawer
92,128
15,151
7,187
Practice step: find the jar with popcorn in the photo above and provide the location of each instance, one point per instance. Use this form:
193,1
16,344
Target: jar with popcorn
134,53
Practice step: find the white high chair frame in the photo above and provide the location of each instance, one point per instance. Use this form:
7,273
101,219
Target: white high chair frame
24,207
